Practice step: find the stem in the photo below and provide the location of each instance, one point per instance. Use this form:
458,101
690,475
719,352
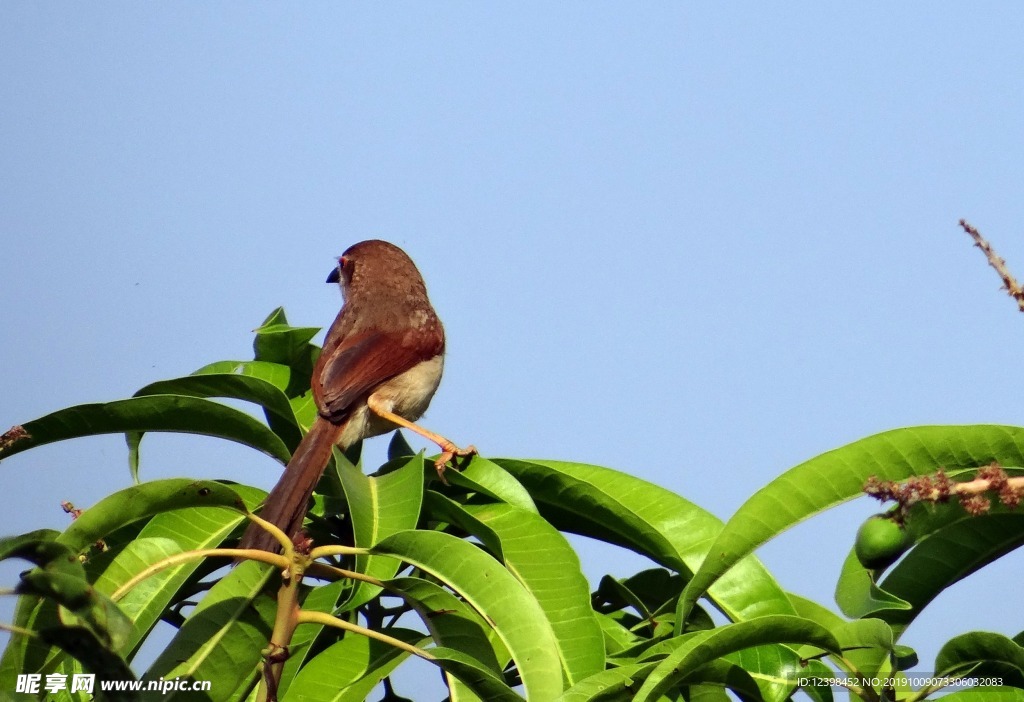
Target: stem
249,553
1013,288
285,621
867,693
327,572
282,538
18,630
329,620
322,551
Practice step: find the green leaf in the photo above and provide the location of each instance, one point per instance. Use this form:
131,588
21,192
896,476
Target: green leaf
145,500
276,374
162,535
709,680
304,643
379,507
222,638
452,623
175,413
42,548
617,638
490,479
622,509
60,577
809,609
278,342
869,644
348,670
702,647
987,694
857,594
774,669
647,592
705,683
980,655
438,508
83,644
247,388
816,670
483,682
544,562
948,555
611,684
495,594
839,475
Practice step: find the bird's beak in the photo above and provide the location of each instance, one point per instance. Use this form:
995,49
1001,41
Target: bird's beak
334,276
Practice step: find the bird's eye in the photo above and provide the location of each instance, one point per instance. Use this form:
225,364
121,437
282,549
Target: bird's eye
343,263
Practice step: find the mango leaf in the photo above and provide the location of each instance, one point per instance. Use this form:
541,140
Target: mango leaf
702,647
809,609
398,447
379,507
238,386
222,638
82,644
611,684
482,681
839,475
869,645
857,594
706,683
42,548
323,598
482,581
348,670
774,669
164,534
622,509
617,638
176,413
278,342
544,562
987,694
455,625
812,678
277,374
452,622
28,654
947,556
980,655
490,479
145,500
647,592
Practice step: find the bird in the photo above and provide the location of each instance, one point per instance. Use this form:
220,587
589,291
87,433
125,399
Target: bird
379,367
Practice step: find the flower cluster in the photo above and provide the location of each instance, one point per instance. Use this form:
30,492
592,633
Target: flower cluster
974,495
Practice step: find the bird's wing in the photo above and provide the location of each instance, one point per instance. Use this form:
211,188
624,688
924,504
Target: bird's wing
357,365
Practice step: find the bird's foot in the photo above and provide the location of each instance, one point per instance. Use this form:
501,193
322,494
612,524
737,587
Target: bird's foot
452,453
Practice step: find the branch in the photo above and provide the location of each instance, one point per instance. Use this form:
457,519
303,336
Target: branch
973,494
1010,284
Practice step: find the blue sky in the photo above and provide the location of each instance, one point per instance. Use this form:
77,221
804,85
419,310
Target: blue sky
698,243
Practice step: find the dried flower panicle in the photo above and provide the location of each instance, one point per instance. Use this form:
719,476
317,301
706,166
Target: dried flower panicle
70,508
974,494
12,436
976,505
1009,495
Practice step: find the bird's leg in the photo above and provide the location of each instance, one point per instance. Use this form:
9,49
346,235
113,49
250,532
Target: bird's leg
449,451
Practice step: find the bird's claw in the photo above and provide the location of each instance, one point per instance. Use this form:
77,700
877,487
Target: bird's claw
452,453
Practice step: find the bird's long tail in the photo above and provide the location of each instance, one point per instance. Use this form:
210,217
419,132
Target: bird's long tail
285,506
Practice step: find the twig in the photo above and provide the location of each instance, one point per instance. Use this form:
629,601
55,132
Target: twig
973,494
1010,284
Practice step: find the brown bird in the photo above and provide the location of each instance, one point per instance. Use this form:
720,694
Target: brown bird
379,367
